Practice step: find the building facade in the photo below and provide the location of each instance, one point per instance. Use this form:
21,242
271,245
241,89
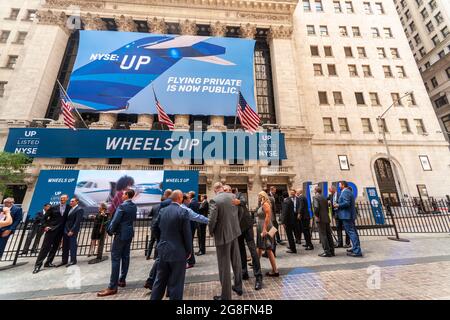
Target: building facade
324,72
427,27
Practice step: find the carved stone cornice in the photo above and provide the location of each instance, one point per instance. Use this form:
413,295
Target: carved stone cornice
248,31
188,27
93,22
125,23
279,32
82,4
49,17
156,25
218,29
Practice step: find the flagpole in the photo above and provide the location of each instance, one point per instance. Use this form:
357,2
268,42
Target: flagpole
71,102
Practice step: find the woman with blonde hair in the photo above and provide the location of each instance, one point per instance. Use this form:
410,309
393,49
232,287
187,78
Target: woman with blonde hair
264,242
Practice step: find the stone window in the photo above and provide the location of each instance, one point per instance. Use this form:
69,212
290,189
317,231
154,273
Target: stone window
319,5
4,36
348,52
401,71
349,7
343,125
379,8
381,53
318,69
368,8
374,99
311,30
11,63
328,125
332,70
382,125
404,125
412,99
13,14
337,96
21,37
434,82
323,98
375,32
442,101
388,33
328,51
362,52
323,30
396,99
424,13
394,53
359,96
420,126
432,4
353,71
367,71
436,40
367,125
445,32
448,72
343,31
356,32
439,18
306,6
337,6
387,71
31,15
314,51
2,88
430,26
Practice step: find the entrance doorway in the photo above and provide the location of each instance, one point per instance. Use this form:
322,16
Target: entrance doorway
18,192
386,182
242,188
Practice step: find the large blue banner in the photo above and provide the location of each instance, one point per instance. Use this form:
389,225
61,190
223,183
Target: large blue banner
94,187
121,71
65,143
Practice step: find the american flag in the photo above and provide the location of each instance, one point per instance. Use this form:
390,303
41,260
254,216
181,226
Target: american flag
162,115
66,109
249,119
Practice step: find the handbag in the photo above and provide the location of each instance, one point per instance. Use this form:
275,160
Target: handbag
272,232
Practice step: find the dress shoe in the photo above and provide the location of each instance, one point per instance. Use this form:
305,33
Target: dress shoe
290,251
258,285
336,245
200,253
273,275
245,276
71,264
280,242
352,254
305,246
298,242
350,250
265,254
122,284
148,285
24,253
326,255
50,265
36,269
189,266
218,298
107,292
309,248
238,291
348,246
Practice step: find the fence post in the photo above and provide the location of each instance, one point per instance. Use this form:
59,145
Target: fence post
22,236
396,238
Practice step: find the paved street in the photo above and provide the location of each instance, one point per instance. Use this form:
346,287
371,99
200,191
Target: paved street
419,269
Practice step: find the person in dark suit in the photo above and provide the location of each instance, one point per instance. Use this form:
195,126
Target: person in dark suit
71,229
332,200
347,213
36,231
165,201
246,223
224,226
201,231
6,232
276,210
288,220
154,211
304,218
173,229
195,206
320,205
122,227
55,220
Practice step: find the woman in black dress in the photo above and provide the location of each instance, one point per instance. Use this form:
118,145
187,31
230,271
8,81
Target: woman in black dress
98,232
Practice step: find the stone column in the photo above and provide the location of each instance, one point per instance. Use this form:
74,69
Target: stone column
33,79
145,122
125,24
218,29
105,121
284,77
187,27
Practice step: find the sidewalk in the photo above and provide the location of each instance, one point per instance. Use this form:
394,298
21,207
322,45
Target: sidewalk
332,277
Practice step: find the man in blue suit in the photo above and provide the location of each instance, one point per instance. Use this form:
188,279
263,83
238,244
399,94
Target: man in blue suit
122,227
6,232
346,212
175,246
71,229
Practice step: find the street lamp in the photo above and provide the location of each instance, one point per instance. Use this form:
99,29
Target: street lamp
388,151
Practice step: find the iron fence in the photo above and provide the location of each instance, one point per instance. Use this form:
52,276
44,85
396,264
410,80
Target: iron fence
409,216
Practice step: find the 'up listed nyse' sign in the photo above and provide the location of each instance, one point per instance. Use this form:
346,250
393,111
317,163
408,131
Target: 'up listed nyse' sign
375,204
